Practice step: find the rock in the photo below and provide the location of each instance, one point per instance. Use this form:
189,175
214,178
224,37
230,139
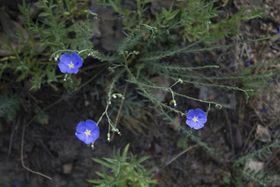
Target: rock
160,94
108,29
67,168
254,165
158,148
9,37
176,124
263,134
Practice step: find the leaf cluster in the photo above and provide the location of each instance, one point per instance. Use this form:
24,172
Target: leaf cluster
58,24
152,44
123,170
262,177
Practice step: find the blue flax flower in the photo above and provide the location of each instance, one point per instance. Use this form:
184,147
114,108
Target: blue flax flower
87,131
70,63
196,118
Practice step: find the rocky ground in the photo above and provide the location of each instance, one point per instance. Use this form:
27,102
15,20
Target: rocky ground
53,150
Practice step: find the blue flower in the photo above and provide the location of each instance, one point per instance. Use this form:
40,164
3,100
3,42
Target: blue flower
87,131
196,118
70,63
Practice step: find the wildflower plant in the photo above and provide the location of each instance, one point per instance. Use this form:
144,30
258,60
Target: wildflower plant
162,44
263,178
152,47
125,170
43,34
142,55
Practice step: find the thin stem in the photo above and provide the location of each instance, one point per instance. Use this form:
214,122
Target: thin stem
109,102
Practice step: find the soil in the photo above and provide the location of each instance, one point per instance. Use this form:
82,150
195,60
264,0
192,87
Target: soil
52,149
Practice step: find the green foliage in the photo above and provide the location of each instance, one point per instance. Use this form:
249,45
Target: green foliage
261,154
258,177
197,24
262,178
142,52
155,45
130,18
256,77
59,25
123,171
182,142
9,105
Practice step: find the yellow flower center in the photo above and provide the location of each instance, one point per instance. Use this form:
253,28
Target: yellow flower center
195,119
71,65
87,132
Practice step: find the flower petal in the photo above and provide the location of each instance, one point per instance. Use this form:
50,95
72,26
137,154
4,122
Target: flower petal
84,126
67,58
199,114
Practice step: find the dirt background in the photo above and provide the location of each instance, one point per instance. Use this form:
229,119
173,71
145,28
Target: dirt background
52,149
